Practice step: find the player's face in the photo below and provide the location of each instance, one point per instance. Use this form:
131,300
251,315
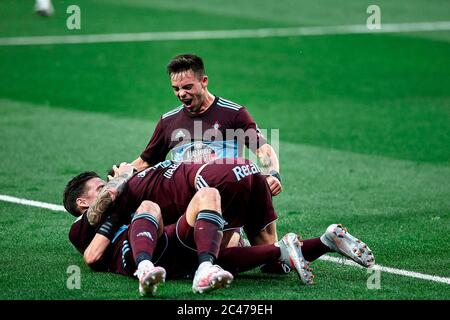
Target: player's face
93,188
190,90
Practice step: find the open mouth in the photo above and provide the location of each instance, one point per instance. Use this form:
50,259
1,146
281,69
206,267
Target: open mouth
187,102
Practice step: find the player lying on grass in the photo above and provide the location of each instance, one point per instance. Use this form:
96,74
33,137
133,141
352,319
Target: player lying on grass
82,191
150,251
245,193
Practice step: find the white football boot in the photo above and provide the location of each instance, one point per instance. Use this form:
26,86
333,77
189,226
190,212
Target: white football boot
291,255
338,239
149,277
210,277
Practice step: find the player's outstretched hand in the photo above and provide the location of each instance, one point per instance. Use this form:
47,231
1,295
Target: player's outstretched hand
123,169
274,185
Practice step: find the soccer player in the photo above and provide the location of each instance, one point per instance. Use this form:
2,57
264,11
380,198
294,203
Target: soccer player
175,248
191,244
131,250
82,194
207,127
199,129
245,196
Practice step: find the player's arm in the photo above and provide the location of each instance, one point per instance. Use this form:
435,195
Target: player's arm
94,252
156,149
96,249
269,163
140,164
109,193
258,144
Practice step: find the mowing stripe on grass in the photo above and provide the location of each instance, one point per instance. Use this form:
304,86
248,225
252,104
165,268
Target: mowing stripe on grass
225,34
401,272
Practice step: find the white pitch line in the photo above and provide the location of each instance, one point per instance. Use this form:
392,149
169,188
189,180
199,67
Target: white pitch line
32,203
347,262
225,34
400,272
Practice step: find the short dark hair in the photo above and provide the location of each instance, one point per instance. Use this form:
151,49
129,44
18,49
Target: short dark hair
74,189
185,62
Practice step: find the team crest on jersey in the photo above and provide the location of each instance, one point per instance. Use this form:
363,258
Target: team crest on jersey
216,125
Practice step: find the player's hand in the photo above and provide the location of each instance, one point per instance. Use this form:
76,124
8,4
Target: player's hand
123,169
274,185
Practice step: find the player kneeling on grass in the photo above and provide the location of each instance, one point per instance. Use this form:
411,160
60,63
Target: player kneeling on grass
191,245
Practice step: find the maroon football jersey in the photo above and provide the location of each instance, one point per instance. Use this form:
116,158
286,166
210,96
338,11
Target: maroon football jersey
81,233
173,184
169,184
245,195
220,132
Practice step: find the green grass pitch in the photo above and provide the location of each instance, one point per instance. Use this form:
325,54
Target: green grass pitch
364,124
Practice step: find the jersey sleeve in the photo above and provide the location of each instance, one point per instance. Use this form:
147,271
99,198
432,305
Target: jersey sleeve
81,233
253,137
157,148
109,226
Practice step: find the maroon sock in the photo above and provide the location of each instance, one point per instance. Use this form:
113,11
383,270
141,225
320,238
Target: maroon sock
313,249
208,232
241,259
143,236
